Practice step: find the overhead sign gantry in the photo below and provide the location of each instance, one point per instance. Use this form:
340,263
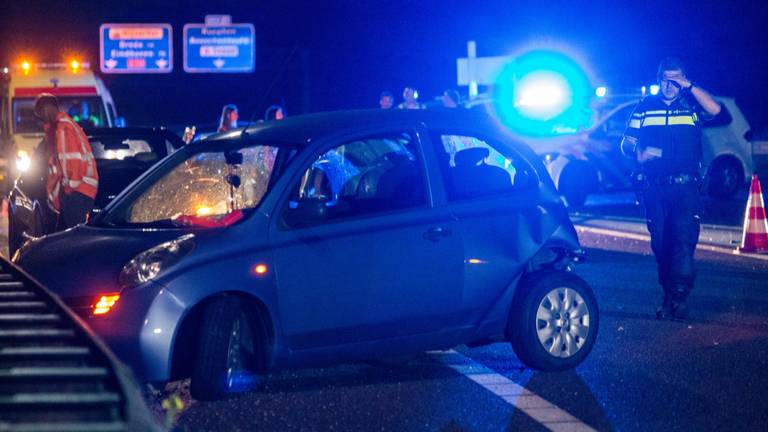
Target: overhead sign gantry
136,48
219,46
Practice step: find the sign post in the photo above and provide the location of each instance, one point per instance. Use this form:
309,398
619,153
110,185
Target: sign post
136,48
218,46
473,70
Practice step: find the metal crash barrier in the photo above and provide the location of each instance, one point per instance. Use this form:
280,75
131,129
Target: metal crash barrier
55,374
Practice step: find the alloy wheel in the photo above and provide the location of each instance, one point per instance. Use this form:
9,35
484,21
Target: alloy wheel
562,322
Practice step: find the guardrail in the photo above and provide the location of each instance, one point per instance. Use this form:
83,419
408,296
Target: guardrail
55,374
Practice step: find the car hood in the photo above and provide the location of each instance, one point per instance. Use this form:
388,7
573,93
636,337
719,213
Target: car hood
86,260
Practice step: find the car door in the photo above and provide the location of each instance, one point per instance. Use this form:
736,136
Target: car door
359,253
492,192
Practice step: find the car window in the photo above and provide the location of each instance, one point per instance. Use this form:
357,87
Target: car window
360,177
207,184
472,167
111,112
86,111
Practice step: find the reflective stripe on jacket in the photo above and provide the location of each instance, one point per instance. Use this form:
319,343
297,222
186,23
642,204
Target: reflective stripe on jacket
673,129
72,168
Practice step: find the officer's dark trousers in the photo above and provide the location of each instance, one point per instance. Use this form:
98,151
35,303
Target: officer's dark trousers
672,213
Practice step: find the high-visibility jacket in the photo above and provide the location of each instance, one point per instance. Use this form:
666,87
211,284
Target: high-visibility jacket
71,165
673,129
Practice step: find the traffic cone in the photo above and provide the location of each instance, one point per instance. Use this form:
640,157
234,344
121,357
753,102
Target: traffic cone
755,237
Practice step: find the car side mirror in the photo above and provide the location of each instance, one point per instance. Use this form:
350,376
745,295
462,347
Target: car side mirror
305,212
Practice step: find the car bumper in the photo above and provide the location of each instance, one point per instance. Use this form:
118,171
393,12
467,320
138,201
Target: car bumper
140,329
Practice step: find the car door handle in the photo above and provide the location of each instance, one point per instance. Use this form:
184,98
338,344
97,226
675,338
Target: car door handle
435,234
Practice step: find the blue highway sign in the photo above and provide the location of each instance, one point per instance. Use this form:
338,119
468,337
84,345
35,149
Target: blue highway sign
219,48
136,48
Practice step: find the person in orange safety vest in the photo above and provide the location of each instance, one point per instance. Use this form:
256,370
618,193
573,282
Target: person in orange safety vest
72,176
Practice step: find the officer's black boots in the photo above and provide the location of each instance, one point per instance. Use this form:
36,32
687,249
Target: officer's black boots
681,310
666,309
674,305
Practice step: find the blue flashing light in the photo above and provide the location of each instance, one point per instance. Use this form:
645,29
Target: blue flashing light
543,93
601,91
655,89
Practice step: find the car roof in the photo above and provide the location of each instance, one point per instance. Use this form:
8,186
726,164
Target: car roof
303,129
125,130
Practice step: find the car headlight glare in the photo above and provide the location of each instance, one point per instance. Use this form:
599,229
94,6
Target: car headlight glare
145,266
23,161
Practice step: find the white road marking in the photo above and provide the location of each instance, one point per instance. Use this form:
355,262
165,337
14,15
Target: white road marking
647,238
548,414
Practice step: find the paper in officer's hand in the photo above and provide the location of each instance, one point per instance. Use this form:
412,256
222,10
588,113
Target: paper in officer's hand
648,153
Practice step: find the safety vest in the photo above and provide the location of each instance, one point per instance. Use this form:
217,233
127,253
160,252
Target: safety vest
71,167
673,129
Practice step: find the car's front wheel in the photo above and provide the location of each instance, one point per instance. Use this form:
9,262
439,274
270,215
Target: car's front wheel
228,355
554,320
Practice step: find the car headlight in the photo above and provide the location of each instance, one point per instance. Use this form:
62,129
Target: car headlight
23,161
147,265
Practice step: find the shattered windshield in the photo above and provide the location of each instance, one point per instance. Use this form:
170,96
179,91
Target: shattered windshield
207,189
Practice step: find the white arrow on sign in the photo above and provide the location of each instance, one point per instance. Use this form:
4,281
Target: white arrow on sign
219,63
162,63
110,64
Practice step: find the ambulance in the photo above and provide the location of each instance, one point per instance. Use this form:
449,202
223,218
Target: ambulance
80,93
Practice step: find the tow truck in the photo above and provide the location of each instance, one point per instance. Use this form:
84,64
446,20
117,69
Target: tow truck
80,92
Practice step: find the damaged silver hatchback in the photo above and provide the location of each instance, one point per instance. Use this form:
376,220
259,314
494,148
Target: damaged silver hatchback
328,238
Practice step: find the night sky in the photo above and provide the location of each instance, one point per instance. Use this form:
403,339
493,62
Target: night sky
318,56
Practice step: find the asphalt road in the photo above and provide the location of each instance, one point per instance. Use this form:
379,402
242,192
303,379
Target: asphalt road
707,373
727,211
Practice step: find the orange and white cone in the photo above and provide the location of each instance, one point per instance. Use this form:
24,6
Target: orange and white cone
755,237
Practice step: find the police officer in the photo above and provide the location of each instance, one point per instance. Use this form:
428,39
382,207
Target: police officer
664,136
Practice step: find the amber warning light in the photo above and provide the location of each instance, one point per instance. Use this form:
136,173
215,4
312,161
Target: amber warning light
260,269
105,303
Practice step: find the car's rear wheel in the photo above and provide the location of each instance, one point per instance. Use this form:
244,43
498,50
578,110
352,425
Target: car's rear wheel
554,321
228,355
